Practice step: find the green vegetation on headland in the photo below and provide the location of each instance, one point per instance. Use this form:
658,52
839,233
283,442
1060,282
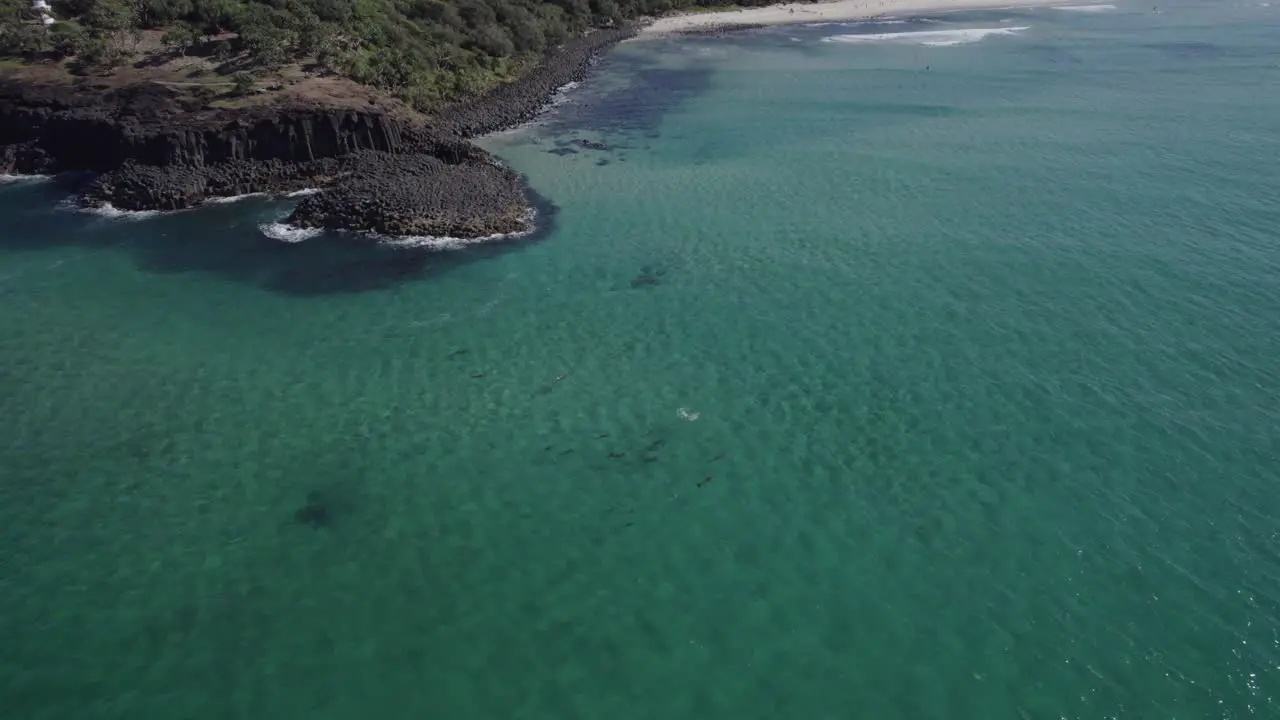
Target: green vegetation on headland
426,52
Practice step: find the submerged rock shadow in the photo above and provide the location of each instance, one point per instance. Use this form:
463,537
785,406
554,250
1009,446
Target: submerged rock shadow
225,241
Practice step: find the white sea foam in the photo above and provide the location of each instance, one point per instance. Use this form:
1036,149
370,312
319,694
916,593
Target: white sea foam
232,199
107,210
287,233
14,179
291,234
561,95
445,242
441,242
932,38
237,198
1086,8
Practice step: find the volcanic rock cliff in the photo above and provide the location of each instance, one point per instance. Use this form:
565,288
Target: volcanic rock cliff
154,125
154,147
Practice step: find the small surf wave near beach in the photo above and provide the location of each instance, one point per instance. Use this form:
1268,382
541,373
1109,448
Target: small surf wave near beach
931,38
1086,8
857,23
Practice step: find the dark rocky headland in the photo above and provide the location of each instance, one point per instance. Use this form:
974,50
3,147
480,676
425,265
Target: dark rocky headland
382,169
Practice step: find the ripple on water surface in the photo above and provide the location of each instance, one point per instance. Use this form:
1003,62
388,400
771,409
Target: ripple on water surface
841,387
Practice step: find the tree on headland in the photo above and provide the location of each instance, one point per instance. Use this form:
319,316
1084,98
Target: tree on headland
213,17
19,33
428,52
181,38
110,18
68,39
265,35
154,14
109,26
242,83
97,55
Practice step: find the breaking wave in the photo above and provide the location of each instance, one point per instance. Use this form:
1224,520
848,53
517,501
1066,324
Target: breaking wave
237,198
853,23
232,198
107,210
6,179
932,38
287,233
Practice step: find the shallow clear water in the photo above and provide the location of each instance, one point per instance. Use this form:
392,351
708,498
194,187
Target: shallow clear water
856,379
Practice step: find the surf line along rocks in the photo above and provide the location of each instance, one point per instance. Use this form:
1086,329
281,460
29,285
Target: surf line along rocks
456,189
381,170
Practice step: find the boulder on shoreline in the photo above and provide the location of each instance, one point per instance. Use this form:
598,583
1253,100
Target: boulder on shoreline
513,104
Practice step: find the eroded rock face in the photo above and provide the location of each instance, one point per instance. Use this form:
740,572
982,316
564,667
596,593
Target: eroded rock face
385,173
152,125
292,136
26,158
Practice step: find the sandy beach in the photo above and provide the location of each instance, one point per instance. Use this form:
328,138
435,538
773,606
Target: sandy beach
835,11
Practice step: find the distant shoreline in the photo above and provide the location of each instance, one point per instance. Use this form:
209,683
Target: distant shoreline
834,11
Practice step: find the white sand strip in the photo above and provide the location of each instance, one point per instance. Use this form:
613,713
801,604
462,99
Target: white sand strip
837,11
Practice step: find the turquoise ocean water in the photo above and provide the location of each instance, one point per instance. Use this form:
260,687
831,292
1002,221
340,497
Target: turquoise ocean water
867,374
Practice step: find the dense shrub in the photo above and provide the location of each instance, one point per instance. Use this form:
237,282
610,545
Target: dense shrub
242,83
67,39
